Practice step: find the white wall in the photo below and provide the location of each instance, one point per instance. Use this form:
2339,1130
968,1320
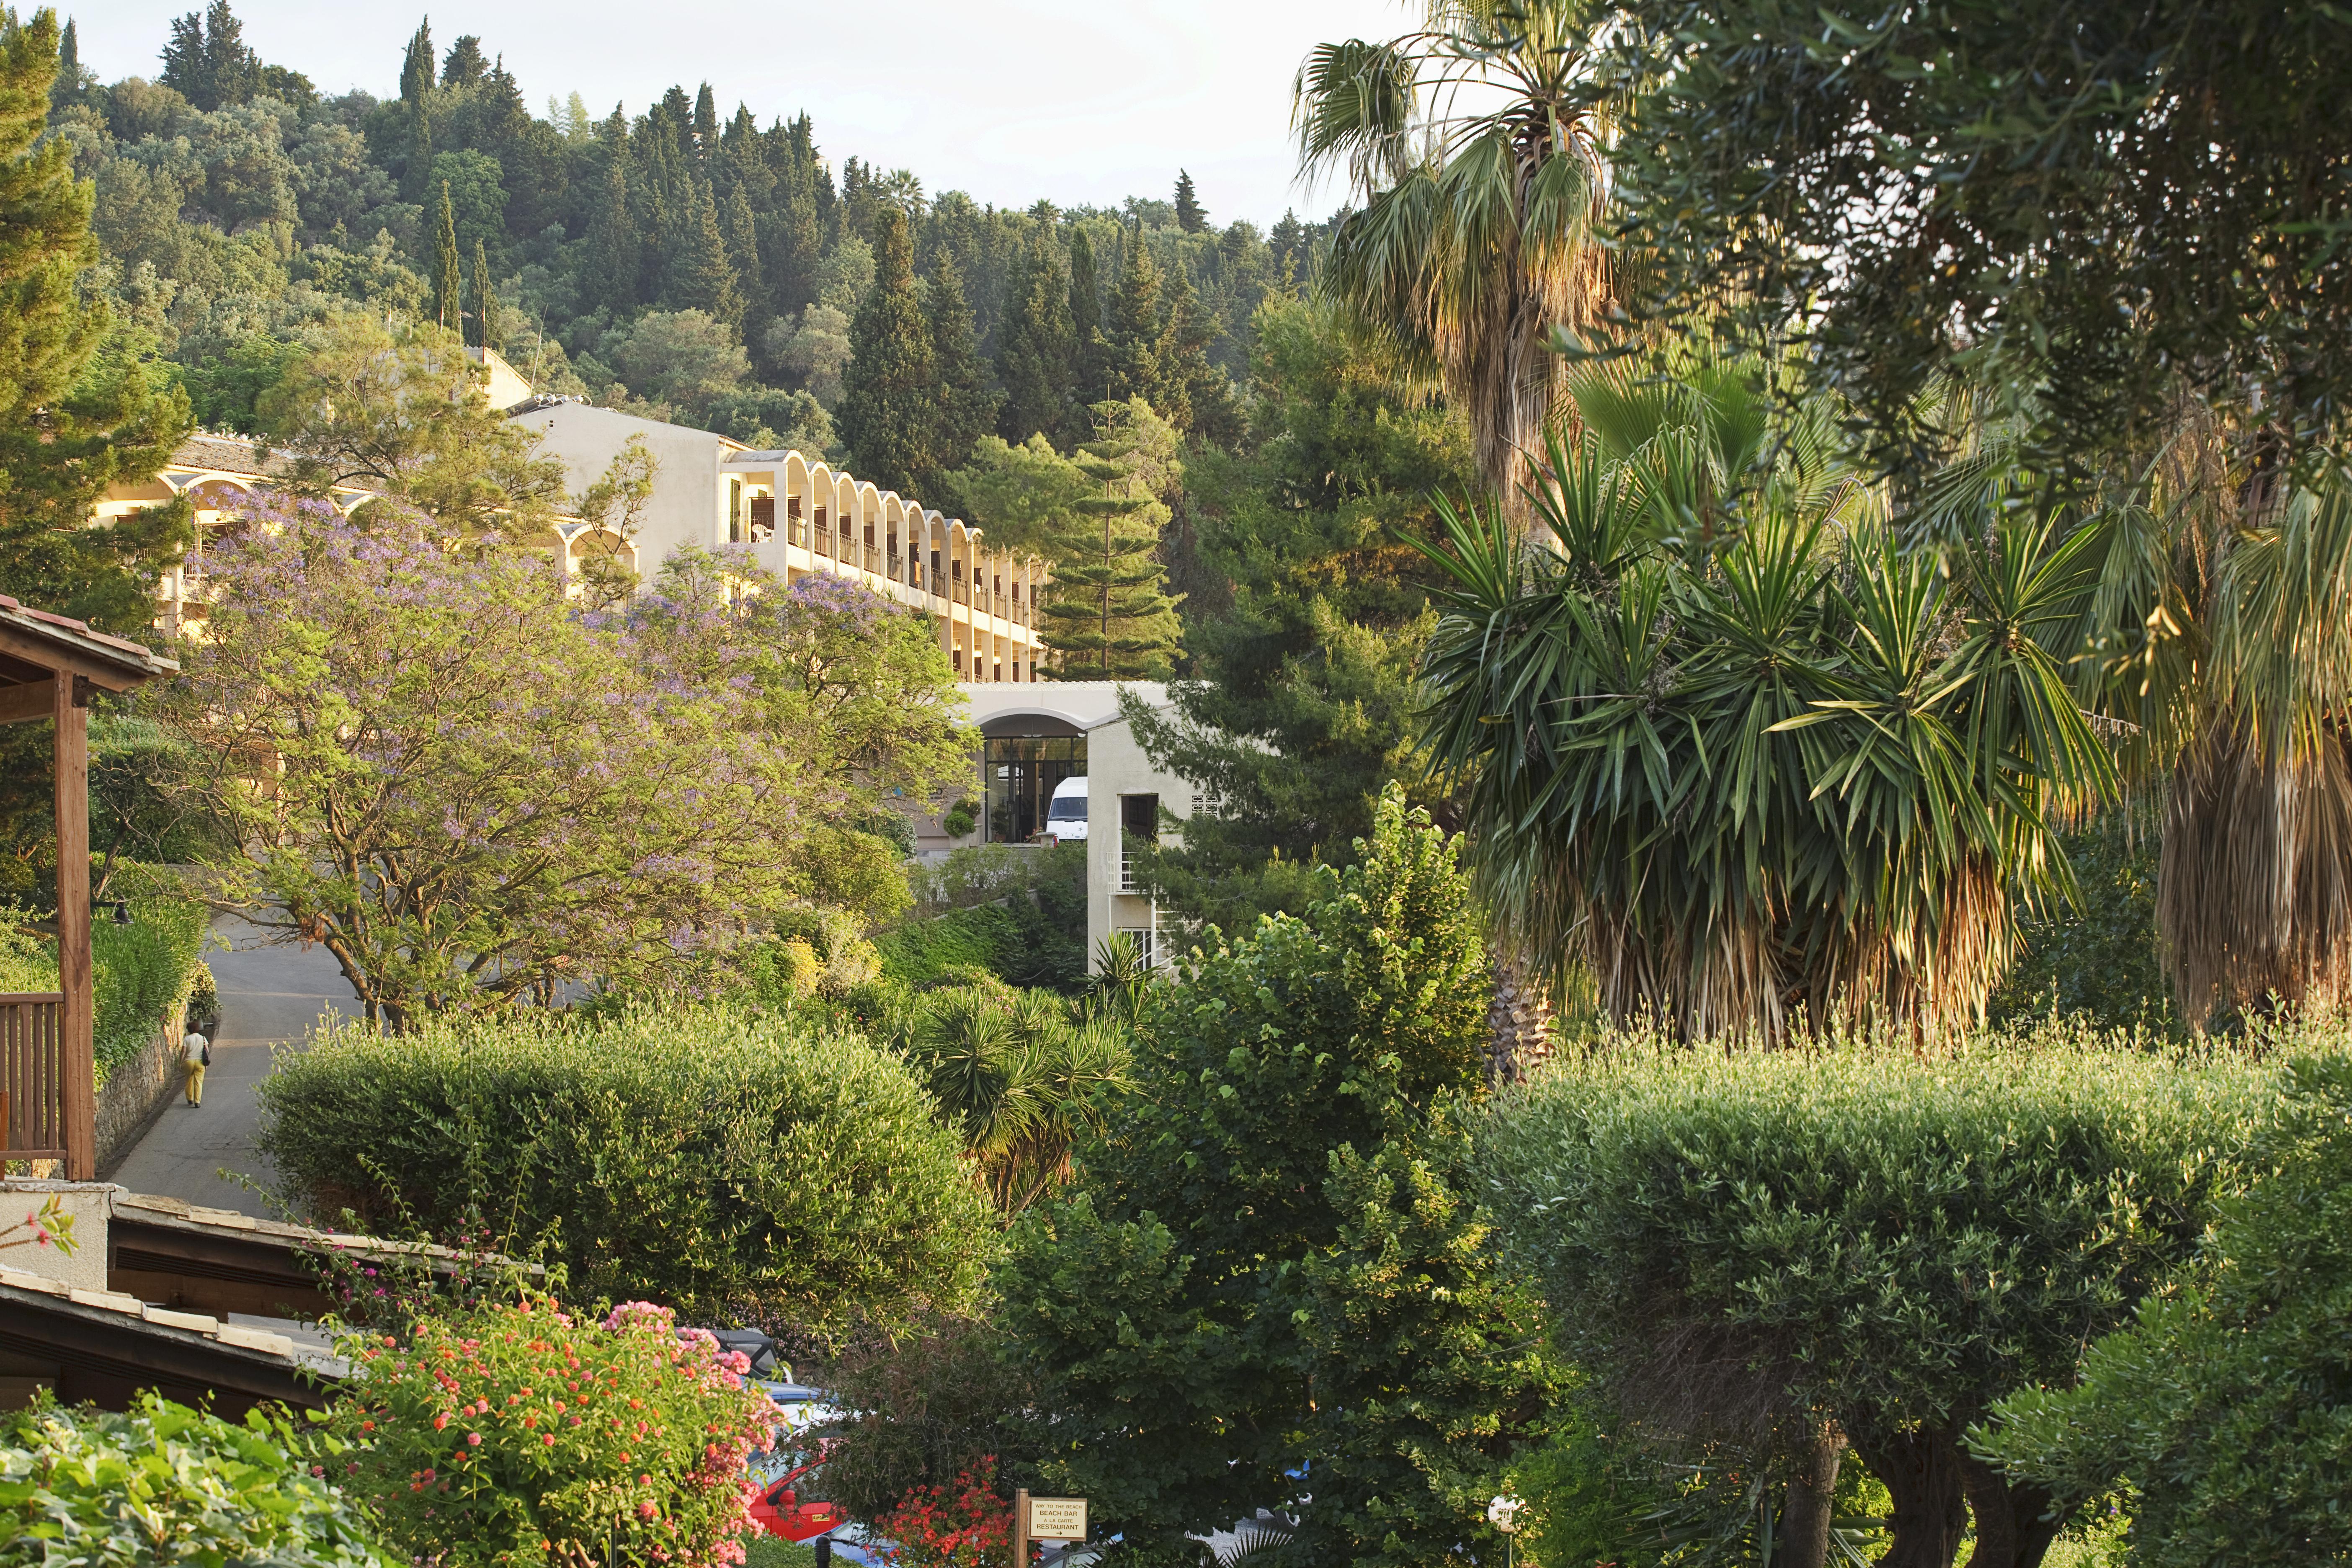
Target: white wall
1117,767
689,504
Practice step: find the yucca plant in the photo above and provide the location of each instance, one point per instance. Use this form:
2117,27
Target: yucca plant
1730,735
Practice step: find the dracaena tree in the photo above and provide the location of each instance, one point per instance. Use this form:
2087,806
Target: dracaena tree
1477,146
1740,741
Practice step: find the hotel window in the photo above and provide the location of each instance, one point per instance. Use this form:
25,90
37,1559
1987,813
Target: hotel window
763,518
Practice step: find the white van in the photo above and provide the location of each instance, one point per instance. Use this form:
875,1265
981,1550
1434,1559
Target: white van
1066,818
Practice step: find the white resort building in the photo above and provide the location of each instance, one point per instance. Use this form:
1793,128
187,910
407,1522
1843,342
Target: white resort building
796,516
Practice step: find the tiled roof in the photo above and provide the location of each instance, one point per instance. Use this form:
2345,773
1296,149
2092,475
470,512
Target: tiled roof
227,455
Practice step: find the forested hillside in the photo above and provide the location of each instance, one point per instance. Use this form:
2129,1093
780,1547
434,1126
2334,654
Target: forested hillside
667,257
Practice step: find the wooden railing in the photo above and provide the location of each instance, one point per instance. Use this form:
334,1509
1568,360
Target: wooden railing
32,1075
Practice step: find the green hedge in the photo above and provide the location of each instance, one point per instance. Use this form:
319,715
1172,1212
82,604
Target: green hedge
729,1167
140,972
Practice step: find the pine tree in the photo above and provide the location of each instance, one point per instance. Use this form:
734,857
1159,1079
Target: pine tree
741,232
888,414
609,276
75,416
1109,617
464,66
207,61
967,407
1033,342
1131,356
1086,351
1191,216
702,276
1199,398
486,302
448,306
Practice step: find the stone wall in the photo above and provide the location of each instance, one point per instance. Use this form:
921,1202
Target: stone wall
137,1091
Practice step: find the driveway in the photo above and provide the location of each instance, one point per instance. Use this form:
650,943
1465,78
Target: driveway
270,997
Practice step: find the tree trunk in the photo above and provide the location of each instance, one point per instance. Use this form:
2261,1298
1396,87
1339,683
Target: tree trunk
1519,1020
1921,1470
1813,1500
2015,1524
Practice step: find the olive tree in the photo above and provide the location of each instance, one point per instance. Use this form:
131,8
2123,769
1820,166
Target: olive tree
1793,1248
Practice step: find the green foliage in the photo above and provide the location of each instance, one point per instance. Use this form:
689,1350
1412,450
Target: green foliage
519,1433
2226,1403
2024,168
2100,956
1273,1260
1107,614
1736,1243
930,1406
1017,913
1304,636
166,1484
1586,1493
141,972
736,1168
889,413
1743,745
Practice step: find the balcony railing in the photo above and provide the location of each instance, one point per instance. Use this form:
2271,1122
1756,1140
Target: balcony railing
32,1074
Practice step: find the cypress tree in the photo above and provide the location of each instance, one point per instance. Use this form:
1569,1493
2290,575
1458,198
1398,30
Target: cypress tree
1086,357
1132,352
448,305
72,84
702,278
417,64
486,302
706,125
889,399
798,240
967,407
741,231
1033,343
415,93
1108,617
1191,216
610,274
1199,399
465,65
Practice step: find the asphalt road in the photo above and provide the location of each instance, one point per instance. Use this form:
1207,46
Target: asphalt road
270,998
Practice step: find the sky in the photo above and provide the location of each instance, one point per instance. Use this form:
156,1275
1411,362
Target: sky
1008,100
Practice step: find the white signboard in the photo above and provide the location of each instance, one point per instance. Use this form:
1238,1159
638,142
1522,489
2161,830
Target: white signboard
1057,1519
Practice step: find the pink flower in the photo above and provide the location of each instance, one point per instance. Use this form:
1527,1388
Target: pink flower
475,1438
646,1510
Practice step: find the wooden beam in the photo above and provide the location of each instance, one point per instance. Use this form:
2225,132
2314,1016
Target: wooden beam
119,673
70,708
33,700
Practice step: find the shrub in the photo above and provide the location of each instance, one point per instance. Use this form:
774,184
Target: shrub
1016,911
729,1166
930,1407
963,1524
140,972
518,1432
1743,1243
2229,1403
167,1484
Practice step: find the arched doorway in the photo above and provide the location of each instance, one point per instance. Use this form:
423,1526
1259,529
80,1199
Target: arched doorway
1024,756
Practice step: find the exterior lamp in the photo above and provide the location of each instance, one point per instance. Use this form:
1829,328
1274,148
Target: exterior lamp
1499,1513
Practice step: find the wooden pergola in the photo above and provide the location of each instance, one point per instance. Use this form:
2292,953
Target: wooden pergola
49,667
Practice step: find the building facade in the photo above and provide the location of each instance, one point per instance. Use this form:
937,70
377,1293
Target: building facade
1034,736
799,516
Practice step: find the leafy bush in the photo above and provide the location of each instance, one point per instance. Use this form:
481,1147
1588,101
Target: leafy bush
930,1407
729,1166
1018,912
516,1433
166,1484
2228,1404
140,972
2101,959
1744,1243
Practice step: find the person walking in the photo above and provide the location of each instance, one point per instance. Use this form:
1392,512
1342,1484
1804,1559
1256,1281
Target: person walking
196,1055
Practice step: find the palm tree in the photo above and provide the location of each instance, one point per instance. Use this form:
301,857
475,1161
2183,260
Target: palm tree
1737,740
1475,147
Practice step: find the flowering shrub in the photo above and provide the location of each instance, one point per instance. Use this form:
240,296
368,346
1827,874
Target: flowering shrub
965,1525
520,1434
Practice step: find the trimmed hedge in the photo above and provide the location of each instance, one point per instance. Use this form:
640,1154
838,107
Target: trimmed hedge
729,1167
